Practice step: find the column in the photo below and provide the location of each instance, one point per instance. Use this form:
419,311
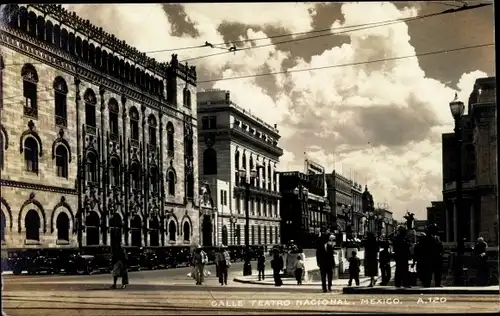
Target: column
455,238
447,224
472,222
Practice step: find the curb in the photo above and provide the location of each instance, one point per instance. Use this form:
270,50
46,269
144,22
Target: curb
393,290
238,280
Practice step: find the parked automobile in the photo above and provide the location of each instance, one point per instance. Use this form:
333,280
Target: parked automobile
16,261
164,257
95,259
149,259
134,258
236,253
41,260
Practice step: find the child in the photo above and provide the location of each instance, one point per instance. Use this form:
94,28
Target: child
354,264
299,269
261,265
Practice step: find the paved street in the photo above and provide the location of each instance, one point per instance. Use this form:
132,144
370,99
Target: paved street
171,292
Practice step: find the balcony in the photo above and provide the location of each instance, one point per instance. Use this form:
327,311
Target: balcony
449,186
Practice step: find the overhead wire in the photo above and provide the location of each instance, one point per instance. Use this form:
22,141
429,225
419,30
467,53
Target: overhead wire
369,26
350,64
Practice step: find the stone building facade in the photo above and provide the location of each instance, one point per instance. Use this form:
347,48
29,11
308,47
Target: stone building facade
98,141
479,163
230,139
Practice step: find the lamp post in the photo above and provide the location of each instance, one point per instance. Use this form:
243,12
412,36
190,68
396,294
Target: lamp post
301,193
247,266
457,110
233,220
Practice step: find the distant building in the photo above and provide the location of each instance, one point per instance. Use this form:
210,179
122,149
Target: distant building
436,215
231,139
479,187
367,206
384,224
305,209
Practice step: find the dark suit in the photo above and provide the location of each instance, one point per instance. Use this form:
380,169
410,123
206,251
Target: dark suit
326,263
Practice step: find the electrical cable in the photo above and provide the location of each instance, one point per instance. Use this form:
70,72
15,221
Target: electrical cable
350,64
379,24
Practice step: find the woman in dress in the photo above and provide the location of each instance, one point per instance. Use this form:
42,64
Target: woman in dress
371,258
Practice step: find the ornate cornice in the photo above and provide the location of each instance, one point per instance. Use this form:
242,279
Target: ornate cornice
34,186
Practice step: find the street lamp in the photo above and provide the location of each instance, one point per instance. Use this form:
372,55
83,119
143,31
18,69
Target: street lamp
457,109
247,266
233,220
301,193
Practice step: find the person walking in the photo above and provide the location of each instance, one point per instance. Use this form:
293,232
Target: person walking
422,259
483,271
120,269
385,264
261,265
277,266
371,257
223,263
299,269
199,260
402,257
325,259
354,267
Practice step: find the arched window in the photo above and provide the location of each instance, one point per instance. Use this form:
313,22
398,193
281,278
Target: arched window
136,231
237,161
269,176
265,235
114,172
23,18
134,123
171,183
40,28
264,174
92,54
32,24
104,61
91,167
184,97
49,35
92,228
253,236
90,102
78,47
210,161
152,129
31,154
154,226
271,236
115,225
135,176
85,51
113,117
187,231
172,231
32,225
30,81
64,39
259,235
244,162
60,98
170,138
62,224
276,236
2,148
251,163
62,161
71,43
153,178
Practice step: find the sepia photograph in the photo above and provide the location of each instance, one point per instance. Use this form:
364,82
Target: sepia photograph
248,158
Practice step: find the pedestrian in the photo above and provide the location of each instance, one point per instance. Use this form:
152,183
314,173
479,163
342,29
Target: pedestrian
422,260
261,265
325,258
385,264
199,260
371,260
277,266
435,253
223,263
299,269
354,267
402,258
483,271
120,269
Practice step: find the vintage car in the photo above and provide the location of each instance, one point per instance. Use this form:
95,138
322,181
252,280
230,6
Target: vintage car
148,259
16,261
94,259
41,260
134,258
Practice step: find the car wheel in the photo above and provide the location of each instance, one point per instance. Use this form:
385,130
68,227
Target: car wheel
17,271
88,270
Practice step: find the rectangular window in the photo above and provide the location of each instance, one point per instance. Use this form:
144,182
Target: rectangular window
225,197
204,122
212,122
222,197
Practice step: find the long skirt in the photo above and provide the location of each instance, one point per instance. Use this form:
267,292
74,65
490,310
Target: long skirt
120,270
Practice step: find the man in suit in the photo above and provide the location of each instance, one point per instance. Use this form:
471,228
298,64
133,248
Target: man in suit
326,261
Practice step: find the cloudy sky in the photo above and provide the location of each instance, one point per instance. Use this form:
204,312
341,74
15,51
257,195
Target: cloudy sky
379,122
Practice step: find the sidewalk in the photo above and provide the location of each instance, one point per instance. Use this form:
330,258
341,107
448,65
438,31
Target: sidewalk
472,290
